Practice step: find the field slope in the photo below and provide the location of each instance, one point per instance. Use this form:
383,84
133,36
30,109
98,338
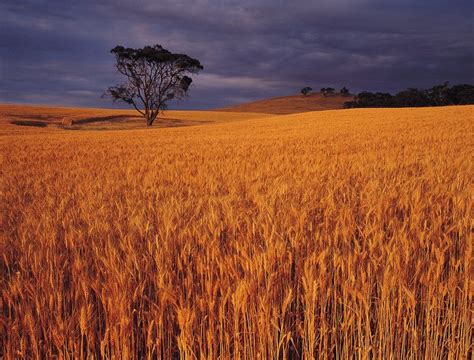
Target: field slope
291,104
320,235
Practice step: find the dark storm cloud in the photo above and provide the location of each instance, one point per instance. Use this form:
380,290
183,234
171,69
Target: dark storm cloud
57,52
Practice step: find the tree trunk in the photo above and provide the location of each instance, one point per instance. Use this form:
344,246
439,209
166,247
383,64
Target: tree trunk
151,116
148,115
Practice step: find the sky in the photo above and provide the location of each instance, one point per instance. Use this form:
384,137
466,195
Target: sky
57,52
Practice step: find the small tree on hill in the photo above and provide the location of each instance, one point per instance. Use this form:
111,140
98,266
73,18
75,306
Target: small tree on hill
344,91
327,91
306,90
154,76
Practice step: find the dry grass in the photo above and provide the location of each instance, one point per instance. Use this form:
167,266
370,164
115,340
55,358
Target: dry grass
292,104
331,235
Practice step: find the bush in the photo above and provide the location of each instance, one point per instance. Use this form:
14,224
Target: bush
306,90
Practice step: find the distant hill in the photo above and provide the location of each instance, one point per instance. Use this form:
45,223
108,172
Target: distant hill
292,104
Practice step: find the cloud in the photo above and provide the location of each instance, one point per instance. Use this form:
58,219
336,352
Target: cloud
58,51
215,81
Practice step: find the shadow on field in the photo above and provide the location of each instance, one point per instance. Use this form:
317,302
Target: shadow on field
34,123
32,116
126,122
114,118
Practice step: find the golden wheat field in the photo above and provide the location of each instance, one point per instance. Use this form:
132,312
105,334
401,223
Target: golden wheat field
326,235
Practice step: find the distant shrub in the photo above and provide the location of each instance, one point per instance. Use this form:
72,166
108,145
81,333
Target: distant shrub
306,90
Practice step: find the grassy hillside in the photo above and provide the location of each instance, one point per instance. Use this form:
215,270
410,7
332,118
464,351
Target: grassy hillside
319,235
292,104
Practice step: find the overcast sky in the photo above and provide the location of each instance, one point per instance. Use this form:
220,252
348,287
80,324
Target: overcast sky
57,51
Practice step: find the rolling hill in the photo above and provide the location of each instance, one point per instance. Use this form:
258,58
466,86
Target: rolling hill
292,104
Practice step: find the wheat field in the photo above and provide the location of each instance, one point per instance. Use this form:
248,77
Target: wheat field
326,235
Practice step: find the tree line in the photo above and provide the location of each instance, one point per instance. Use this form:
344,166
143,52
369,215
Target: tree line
439,95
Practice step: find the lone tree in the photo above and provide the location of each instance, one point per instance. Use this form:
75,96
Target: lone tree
306,90
154,76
